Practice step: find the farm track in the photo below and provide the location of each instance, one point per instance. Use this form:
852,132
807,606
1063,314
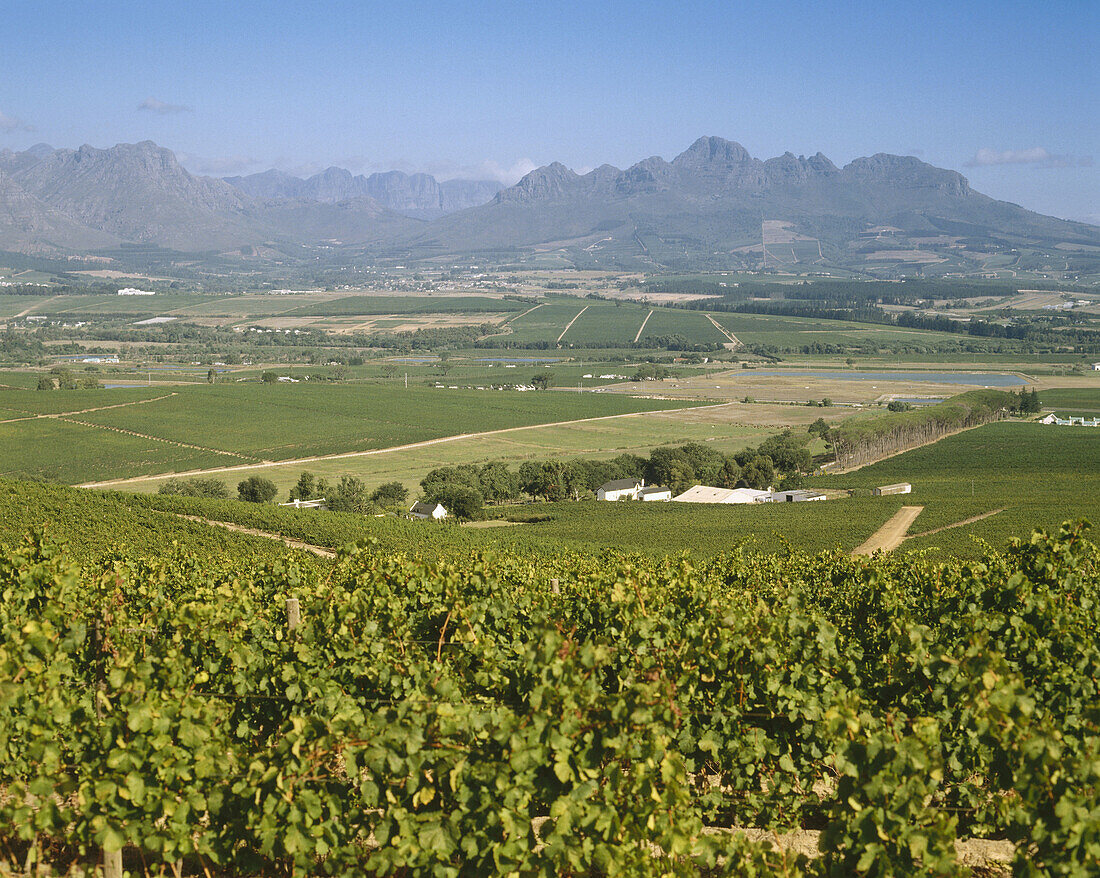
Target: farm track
733,338
67,420
252,532
65,415
892,534
962,523
427,443
27,311
640,328
570,323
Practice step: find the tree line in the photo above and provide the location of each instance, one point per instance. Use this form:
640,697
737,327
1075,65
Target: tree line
780,461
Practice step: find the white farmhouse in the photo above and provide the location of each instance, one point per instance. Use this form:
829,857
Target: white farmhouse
130,291
620,489
655,492
428,510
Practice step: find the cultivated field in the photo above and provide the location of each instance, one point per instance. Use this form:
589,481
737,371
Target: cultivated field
726,428
225,424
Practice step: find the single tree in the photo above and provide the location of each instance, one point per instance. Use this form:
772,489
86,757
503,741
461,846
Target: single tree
256,489
350,495
542,380
306,487
390,494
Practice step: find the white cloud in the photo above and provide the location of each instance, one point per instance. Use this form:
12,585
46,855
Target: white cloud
153,105
509,175
1038,156
13,123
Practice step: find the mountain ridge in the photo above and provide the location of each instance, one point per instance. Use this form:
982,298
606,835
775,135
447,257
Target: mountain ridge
712,204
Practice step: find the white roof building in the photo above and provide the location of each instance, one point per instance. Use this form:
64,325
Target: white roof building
428,510
705,494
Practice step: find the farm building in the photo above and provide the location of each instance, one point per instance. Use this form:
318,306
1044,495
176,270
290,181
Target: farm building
801,496
131,291
428,510
899,488
705,494
306,504
1071,421
655,492
620,489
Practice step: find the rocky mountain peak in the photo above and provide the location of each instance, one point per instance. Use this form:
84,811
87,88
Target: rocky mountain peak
711,151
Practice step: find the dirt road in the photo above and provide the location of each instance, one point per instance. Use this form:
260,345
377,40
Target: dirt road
891,534
240,528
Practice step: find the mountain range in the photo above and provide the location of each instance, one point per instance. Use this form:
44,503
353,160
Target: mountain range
415,195
714,204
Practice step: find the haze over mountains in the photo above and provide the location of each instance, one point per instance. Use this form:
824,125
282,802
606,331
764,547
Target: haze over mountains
415,195
713,204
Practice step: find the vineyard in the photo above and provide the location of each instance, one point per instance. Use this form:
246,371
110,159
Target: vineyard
247,423
863,441
204,713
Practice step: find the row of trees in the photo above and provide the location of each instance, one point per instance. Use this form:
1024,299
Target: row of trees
61,378
466,488
350,494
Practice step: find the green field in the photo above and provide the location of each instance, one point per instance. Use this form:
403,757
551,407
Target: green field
235,424
794,332
1072,401
544,323
596,439
1038,475
21,403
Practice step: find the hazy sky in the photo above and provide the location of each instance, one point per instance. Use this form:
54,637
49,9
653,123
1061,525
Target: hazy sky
1006,92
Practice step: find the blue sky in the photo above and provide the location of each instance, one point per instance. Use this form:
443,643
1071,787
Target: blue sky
1006,92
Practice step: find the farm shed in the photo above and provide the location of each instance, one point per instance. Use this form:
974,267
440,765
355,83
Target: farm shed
800,496
706,494
428,510
899,488
620,489
655,492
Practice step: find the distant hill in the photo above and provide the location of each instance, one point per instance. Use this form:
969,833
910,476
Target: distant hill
64,199
415,195
714,205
